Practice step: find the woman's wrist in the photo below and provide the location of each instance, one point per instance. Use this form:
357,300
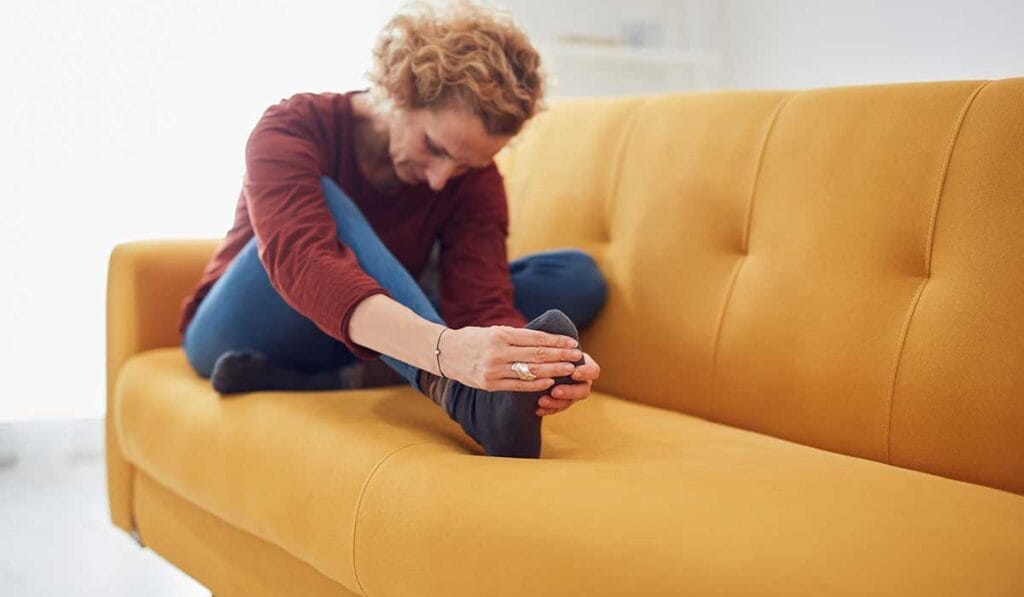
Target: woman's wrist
383,324
437,353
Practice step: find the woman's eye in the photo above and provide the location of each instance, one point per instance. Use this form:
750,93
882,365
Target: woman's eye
431,147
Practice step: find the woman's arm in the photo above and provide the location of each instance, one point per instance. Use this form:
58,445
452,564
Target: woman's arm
478,357
288,151
383,324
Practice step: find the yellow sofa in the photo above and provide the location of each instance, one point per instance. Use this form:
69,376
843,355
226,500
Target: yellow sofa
812,376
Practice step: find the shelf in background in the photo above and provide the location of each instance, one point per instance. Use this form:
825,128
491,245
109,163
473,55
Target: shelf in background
628,55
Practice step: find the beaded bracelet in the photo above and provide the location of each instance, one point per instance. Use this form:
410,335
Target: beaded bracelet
437,353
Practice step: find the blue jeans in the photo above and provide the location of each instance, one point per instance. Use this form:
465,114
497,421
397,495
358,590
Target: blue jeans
243,311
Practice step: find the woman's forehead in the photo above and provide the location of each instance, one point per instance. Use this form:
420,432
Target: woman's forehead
461,134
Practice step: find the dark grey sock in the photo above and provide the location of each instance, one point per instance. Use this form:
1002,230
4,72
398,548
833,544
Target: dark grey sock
250,371
503,423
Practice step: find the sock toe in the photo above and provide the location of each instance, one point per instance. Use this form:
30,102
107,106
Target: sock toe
234,371
554,321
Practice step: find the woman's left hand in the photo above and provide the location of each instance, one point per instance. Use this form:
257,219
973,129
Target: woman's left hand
562,396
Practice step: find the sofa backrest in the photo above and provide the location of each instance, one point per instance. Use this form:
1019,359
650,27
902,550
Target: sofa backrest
840,267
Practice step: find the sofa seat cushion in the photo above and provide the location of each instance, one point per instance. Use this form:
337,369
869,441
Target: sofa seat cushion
379,490
288,468
629,499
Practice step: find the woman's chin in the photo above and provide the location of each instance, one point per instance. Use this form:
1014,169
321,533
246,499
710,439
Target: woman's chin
388,186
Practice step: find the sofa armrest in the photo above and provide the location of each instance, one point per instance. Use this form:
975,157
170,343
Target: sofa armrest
146,284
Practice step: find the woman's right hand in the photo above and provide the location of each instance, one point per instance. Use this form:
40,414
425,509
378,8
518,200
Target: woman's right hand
482,357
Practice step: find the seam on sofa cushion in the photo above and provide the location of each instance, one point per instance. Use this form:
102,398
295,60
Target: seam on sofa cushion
359,503
929,244
746,251
614,182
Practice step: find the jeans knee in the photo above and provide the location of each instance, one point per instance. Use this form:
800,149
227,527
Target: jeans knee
349,221
327,185
339,204
585,269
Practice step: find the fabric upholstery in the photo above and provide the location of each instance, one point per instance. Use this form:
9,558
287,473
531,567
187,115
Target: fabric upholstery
143,280
228,561
811,375
288,468
634,500
840,267
376,489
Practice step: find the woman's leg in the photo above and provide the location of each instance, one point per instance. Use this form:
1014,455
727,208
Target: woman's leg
243,312
380,264
564,279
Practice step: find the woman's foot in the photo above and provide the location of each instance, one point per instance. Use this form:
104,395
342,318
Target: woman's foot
503,423
250,371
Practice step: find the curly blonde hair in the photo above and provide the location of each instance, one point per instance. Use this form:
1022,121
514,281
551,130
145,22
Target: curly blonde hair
464,56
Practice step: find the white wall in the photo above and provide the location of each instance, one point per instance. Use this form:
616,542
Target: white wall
799,44
684,37
124,120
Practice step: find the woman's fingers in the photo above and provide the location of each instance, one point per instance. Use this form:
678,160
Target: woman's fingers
532,338
541,354
542,370
553,403
572,392
547,405
514,385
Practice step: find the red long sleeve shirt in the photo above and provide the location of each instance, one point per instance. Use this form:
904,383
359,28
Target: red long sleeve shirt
281,203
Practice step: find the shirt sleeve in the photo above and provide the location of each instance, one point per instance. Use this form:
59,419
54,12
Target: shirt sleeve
285,156
476,287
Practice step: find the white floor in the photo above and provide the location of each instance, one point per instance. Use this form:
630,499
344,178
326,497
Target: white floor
56,538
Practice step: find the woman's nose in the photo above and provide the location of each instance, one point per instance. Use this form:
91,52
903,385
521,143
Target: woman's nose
439,172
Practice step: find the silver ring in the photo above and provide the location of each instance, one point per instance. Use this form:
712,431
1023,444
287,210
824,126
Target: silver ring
523,371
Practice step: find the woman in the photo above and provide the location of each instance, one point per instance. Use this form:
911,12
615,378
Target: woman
345,194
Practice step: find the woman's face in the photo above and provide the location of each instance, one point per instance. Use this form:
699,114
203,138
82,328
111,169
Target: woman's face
434,146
